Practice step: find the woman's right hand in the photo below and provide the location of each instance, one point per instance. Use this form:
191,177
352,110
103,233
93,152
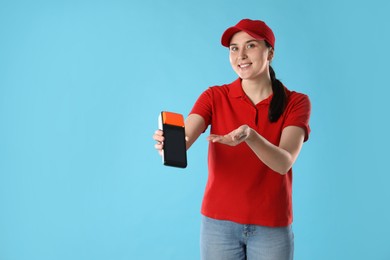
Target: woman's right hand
159,138
194,126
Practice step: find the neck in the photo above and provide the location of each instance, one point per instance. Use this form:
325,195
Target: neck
257,89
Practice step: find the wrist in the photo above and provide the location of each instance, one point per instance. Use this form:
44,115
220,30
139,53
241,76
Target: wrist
250,135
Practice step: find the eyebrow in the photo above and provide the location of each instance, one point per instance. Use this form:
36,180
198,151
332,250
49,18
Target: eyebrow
234,44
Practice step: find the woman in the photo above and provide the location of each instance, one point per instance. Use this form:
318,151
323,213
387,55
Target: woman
257,130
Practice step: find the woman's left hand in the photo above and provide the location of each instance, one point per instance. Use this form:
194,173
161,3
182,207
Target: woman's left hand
233,138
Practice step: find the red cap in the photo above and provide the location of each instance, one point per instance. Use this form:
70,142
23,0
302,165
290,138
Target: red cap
255,28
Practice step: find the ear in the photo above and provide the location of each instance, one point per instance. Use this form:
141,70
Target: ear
270,54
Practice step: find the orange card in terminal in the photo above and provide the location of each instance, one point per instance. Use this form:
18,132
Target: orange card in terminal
174,151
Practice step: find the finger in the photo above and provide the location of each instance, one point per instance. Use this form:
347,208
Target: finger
159,146
240,136
212,137
216,139
158,138
158,133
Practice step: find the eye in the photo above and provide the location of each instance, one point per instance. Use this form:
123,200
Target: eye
233,48
250,46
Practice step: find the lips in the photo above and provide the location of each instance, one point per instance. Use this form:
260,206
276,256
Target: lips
244,65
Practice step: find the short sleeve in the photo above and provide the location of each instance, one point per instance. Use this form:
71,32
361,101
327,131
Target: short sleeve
203,106
298,112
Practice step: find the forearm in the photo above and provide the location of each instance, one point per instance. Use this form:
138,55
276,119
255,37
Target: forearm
194,126
276,158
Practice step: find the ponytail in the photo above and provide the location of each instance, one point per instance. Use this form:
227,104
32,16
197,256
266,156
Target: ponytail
279,99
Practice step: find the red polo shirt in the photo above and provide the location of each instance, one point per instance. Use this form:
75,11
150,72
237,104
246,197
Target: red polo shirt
240,187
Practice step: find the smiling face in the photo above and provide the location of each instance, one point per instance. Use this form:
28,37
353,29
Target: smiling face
249,57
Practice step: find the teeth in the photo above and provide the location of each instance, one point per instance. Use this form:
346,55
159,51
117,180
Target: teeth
244,65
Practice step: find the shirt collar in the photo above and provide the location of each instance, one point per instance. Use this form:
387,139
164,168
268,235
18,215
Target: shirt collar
236,91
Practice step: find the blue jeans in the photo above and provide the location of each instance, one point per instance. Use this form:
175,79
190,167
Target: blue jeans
226,240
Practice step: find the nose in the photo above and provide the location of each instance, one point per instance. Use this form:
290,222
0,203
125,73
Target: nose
242,54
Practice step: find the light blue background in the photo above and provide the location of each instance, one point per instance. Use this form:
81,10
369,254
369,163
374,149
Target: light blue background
81,86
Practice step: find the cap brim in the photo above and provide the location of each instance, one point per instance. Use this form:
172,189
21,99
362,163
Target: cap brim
228,34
